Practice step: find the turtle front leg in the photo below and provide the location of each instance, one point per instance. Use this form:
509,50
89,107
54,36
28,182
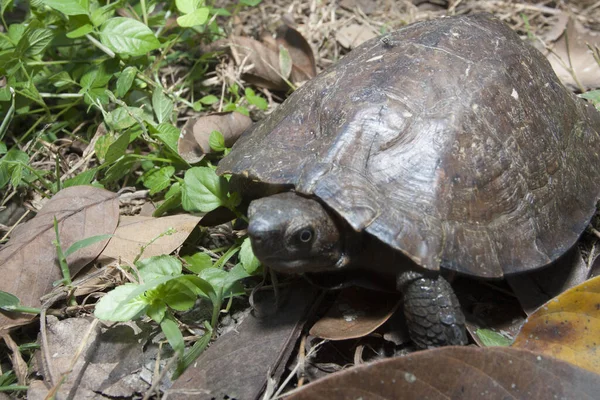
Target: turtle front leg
432,311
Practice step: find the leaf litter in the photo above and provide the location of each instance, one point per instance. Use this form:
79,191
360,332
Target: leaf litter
28,260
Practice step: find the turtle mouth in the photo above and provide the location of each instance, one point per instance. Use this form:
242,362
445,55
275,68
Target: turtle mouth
297,265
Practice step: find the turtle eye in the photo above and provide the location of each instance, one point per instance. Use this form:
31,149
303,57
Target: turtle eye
305,235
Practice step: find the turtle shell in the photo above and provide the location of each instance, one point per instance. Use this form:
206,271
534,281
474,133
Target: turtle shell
450,140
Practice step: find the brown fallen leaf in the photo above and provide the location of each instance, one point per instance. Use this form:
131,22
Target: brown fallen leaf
239,363
260,61
28,261
110,362
304,66
193,143
458,373
567,327
356,313
578,57
353,35
134,232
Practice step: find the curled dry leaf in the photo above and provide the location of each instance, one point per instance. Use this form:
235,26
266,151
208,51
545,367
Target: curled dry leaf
567,327
260,61
356,313
304,65
193,143
571,50
135,232
458,373
28,261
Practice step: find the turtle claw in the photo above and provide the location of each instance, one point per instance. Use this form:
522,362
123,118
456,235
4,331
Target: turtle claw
432,311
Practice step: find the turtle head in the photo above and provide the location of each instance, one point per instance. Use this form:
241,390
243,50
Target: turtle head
291,233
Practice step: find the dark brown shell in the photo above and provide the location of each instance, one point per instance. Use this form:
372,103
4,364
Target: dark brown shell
450,140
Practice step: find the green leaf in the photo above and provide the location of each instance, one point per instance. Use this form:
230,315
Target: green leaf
285,62
123,117
157,310
8,164
95,77
178,294
173,335
223,280
255,99
102,145
119,169
162,105
158,179
491,338
102,14
96,95
247,257
69,7
5,94
125,81
3,148
216,141
203,190
81,31
169,135
196,17
188,6
172,200
198,262
8,299
159,266
593,96
35,41
112,307
84,178
62,79
117,149
251,3
80,244
127,36
208,100
203,287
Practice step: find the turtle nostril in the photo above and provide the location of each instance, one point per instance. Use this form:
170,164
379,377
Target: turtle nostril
258,230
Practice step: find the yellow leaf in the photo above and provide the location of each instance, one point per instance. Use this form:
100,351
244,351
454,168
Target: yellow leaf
567,327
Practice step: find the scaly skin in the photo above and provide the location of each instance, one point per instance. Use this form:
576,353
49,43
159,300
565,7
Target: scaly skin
432,311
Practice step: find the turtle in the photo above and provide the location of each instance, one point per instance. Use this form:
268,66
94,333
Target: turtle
447,145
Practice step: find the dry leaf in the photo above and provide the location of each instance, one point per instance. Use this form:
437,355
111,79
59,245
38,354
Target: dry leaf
263,59
251,353
303,60
109,364
578,56
356,313
567,327
264,62
28,261
193,143
458,373
134,232
353,35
